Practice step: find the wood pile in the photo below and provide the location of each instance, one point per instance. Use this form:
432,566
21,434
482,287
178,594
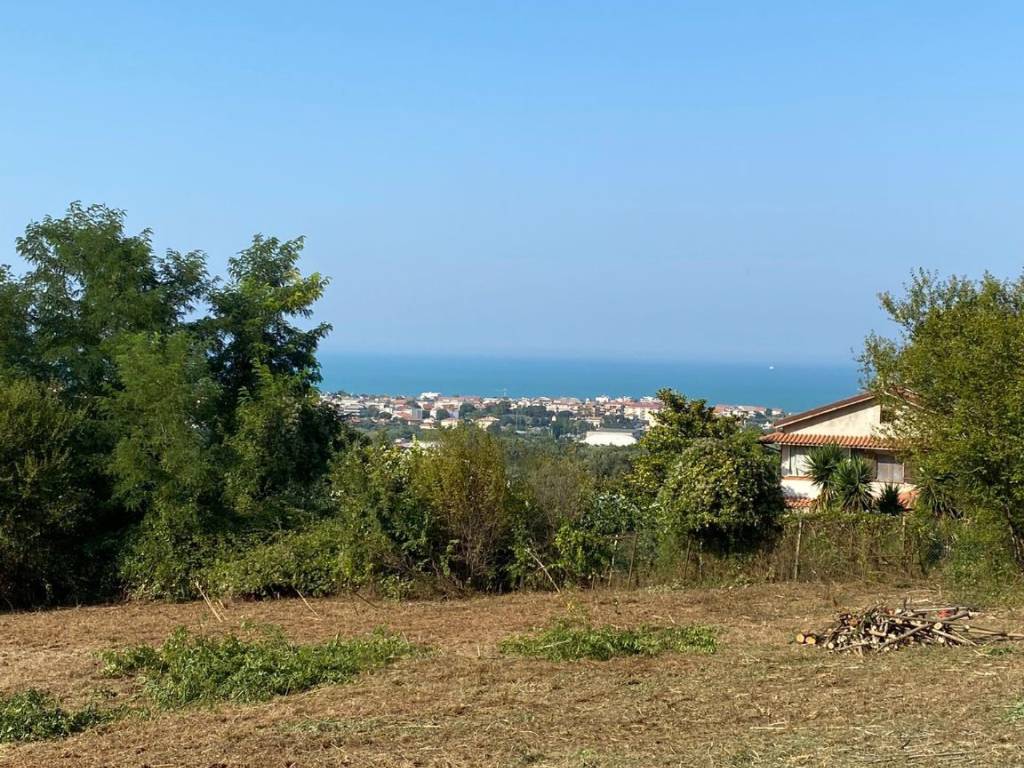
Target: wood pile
881,629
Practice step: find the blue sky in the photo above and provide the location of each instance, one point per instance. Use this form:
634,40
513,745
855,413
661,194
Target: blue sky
677,181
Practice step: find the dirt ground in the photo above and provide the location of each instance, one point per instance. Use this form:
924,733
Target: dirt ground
759,701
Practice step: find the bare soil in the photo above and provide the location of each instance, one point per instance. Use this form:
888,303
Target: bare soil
760,700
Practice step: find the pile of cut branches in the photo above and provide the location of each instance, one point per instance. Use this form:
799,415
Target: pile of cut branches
880,629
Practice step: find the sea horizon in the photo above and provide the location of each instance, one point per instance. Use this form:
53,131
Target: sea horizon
790,386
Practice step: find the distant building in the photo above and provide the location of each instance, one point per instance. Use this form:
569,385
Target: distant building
619,437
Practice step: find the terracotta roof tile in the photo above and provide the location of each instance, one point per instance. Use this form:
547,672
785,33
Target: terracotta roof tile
843,441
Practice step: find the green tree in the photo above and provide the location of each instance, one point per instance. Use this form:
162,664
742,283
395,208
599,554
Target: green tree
951,388
722,490
253,319
43,500
90,282
165,463
677,425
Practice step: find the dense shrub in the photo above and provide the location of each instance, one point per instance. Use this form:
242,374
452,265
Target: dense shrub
308,562
722,491
43,501
464,483
197,669
33,715
386,530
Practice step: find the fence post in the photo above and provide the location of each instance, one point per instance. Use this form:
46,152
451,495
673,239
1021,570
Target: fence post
799,536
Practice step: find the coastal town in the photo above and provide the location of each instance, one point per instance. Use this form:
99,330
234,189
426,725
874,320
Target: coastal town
614,421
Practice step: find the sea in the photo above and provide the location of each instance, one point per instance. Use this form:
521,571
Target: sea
787,386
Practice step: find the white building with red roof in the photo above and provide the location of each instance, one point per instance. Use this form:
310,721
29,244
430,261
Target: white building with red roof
856,424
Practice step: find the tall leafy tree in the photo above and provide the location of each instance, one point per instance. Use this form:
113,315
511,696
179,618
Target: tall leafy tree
254,326
166,464
952,385
90,282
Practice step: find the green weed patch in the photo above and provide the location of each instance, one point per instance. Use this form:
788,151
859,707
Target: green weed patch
198,669
33,715
570,641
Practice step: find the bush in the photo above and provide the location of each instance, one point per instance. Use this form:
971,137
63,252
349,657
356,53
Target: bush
463,481
306,562
386,531
197,669
42,501
569,640
889,501
980,565
723,491
33,715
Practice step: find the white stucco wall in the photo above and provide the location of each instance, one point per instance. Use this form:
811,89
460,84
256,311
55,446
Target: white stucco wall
863,419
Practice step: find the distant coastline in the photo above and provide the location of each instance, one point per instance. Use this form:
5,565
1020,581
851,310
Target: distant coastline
788,386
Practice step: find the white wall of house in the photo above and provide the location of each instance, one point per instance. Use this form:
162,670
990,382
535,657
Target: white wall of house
863,419
859,420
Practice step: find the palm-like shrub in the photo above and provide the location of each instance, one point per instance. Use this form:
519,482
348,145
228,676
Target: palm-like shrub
821,468
888,501
851,485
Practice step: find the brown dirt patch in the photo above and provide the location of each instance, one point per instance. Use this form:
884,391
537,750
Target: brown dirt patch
759,701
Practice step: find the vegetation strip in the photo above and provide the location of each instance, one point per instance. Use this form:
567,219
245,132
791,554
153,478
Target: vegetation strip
569,641
199,669
34,715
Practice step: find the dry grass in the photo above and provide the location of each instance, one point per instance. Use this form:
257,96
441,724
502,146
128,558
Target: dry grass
758,701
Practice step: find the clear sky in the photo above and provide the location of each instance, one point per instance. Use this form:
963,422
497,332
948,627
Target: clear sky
678,181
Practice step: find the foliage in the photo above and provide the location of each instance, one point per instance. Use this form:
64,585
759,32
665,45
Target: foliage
386,529
980,565
851,485
307,561
89,283
822,463
723,491
43,499
572,640
281,450
677,425
951,382
196,417
33,715
889,501
198,669
464,483
252,327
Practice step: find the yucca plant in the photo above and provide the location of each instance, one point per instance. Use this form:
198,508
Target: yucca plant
821,468
935,495
888,501
851,485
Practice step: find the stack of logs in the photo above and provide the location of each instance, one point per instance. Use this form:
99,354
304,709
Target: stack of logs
881,629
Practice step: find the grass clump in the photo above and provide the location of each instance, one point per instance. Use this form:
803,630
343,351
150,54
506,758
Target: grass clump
1016,711
198,669
34,715
568,640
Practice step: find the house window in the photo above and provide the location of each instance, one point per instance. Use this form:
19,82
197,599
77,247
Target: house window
888,469
794,462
